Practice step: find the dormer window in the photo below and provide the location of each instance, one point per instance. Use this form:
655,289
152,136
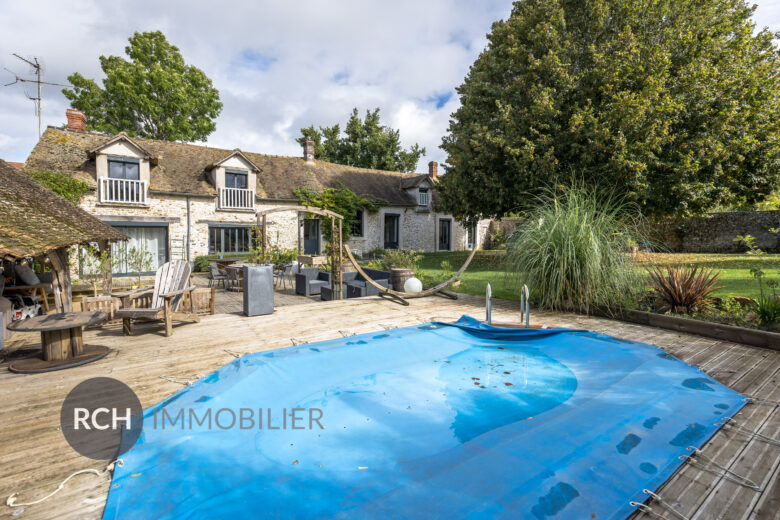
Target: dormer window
124,168
236,179
423,197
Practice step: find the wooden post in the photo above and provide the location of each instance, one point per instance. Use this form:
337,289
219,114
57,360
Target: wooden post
262,244
340,258
63,296
104,246
332,246
168,318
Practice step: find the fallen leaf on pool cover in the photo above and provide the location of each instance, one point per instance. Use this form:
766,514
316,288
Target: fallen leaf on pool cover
362,467
294,463
135,475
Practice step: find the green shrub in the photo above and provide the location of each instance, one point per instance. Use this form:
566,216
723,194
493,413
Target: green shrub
61,183
571,250
768,310
396,259
683,289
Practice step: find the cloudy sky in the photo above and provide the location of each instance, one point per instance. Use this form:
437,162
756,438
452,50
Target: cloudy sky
278,65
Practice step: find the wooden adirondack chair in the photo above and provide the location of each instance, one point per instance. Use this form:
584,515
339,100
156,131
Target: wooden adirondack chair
171,283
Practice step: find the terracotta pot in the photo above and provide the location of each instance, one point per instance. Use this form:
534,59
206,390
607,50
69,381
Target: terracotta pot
398,277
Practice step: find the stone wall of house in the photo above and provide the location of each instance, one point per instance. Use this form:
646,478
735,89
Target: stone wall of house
282,227
714,233
417,230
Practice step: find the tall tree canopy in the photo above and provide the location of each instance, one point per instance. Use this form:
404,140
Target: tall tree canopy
675,103
366,143
155,94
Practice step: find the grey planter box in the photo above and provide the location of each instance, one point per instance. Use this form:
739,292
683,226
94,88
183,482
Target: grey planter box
258,290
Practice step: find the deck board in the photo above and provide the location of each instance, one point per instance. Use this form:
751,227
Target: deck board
34,457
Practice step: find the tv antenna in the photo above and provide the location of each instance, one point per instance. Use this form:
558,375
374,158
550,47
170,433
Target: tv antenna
36,65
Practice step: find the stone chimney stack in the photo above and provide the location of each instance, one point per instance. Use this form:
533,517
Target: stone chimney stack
76,120
308,151
433,169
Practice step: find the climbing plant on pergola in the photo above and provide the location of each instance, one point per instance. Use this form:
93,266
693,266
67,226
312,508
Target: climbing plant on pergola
336,229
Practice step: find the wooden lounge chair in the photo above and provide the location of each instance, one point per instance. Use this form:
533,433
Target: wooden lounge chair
163,301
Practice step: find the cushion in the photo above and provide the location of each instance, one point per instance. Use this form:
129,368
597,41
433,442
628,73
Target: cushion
26,274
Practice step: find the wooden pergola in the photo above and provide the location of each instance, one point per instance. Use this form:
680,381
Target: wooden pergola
337,258
36,222
335,253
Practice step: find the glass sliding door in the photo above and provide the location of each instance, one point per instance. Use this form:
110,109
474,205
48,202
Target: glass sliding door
147,249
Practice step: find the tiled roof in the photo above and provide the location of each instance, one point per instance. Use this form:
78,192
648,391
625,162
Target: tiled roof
182,168
34,219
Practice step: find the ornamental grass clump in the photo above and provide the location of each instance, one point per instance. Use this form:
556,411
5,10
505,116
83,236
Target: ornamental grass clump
682,289
571,251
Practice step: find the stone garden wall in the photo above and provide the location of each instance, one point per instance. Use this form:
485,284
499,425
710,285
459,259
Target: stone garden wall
714,233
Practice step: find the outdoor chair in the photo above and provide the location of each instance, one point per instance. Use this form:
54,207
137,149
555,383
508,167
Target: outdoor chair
358,287
284,275
233,280
216,276
310,281
171,283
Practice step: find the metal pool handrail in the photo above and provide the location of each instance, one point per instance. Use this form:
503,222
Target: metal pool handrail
525,310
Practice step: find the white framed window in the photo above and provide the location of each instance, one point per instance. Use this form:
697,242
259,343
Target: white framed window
423,197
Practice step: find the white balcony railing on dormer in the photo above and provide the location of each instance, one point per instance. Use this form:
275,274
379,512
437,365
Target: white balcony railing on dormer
125,191
236,198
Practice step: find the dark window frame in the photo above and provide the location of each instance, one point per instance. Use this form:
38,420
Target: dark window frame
357,224
123,161
232,235
236,174
397,230
449,234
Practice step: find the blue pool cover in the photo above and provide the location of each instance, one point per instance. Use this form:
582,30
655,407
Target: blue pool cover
431,421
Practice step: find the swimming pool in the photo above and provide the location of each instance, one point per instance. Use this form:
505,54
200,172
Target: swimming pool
433,421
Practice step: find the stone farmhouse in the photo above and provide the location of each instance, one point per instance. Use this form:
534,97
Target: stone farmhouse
181,201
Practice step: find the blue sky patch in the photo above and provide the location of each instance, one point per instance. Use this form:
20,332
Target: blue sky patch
256,60
439,99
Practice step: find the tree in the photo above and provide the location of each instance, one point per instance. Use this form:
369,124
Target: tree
155,94
674,103
366,144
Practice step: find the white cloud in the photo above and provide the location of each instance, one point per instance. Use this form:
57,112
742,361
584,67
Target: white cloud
279,66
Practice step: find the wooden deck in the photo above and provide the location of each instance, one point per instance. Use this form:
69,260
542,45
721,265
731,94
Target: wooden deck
34,457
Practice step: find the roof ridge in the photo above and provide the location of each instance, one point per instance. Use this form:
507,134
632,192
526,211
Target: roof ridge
228,151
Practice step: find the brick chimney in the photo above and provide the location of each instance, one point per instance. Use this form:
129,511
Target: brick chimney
433,169
308,151
76,120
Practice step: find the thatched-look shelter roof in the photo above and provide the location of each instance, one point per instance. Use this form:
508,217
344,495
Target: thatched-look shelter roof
34,220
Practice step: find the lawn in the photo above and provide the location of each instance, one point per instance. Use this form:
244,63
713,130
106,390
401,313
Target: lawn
487,266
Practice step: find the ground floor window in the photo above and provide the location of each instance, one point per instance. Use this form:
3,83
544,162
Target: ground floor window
144,252
357,224
230,239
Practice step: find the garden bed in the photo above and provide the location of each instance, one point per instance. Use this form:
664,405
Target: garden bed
754,337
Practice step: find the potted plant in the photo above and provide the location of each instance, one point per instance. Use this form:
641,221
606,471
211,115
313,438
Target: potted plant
401,264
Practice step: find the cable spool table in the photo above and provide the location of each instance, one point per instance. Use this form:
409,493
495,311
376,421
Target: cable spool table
62,343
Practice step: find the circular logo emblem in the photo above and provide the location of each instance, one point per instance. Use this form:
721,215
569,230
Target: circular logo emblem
101,418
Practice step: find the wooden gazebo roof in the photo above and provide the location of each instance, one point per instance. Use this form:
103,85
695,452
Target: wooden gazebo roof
34,220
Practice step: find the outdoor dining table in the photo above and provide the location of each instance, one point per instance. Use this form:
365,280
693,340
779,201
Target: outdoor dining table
62,342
